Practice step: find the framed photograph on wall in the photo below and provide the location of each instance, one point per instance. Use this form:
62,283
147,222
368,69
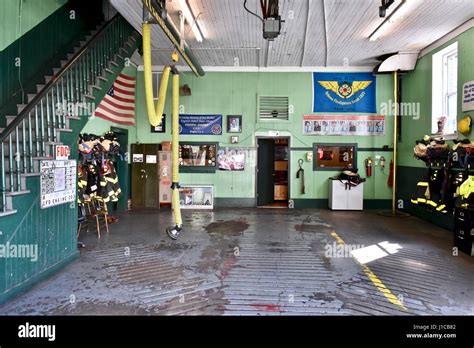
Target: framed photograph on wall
161,128
234,123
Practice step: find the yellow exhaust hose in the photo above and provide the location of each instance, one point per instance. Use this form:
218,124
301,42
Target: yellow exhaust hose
175,149
155,116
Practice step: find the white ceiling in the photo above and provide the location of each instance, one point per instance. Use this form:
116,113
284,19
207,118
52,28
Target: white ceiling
316,33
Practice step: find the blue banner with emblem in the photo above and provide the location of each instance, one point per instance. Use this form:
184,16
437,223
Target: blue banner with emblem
344,92
200,124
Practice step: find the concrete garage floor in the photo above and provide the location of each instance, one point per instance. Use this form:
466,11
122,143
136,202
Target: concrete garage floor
258,262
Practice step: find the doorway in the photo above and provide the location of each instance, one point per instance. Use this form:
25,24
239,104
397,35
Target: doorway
145,176
272,172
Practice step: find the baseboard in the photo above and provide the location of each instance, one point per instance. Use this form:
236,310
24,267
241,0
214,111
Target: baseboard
234,202
320,203
324,203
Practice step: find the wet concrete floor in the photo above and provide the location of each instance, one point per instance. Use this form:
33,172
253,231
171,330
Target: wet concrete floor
260,262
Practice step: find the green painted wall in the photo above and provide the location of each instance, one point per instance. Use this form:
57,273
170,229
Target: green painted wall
53,230
236,93
27,59
416,88
19,16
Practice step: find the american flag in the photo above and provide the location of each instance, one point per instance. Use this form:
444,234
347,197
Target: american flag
118,105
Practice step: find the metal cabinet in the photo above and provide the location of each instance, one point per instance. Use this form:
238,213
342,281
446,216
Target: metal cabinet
344,197
165,176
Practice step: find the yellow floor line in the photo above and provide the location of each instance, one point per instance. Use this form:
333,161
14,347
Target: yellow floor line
373,278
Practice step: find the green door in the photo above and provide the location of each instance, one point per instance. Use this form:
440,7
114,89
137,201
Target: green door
265,166
145,176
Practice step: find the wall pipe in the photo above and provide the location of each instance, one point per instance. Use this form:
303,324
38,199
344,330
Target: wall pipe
395,142
174,232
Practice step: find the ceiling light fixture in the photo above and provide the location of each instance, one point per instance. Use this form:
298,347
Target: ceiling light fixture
397,14
190,19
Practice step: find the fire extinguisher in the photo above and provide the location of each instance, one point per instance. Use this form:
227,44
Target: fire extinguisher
368,167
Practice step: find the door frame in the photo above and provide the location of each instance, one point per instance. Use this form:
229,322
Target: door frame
286,136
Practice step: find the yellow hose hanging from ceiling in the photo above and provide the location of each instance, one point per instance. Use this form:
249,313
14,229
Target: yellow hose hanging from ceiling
155,116
175,154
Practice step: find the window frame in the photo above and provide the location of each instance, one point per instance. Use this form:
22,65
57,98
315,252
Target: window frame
440,89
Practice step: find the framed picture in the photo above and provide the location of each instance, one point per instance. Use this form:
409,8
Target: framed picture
160,128
197,156
234,123
334,156
234,139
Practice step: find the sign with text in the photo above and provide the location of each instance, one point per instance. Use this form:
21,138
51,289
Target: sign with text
57,182
200,124
62,152
344,92
468,96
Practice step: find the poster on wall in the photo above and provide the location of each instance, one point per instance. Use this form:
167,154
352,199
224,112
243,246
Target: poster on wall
200,124
344,125
231,159
344,92
57,182
468,96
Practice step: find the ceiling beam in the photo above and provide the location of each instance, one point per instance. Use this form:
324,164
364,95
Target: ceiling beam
308,14
325,34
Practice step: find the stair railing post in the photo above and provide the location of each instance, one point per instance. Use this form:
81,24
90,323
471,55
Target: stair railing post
30,143
23,143
43,145
17,158
4,182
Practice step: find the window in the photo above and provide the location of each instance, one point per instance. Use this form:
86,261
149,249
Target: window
445,91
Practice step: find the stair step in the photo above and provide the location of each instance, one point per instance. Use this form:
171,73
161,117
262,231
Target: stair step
8,185
113,63
18,193
8,212
20,107
30,97
39,88
70,55
109,71
48,78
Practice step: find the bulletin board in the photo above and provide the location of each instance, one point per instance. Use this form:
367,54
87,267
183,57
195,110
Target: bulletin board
57,182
